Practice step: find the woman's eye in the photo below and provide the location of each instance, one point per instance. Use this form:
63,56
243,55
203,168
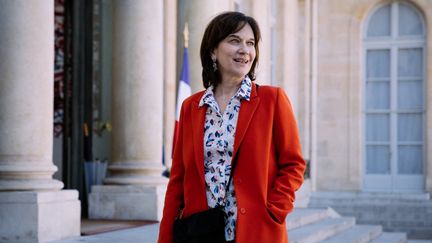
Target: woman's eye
251,43
234,41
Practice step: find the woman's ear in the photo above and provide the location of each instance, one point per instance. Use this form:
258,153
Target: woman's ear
213,56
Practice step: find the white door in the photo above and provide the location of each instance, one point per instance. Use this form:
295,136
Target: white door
394,99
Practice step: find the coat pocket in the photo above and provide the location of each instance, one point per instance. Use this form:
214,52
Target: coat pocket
272,217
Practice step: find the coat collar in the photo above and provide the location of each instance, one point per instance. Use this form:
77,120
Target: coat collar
247,111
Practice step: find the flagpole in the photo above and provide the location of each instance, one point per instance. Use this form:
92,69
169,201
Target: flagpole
186,35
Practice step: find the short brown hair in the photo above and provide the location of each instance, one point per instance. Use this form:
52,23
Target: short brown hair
217,30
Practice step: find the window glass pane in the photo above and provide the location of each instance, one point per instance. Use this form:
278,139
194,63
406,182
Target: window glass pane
379,24
378,63
378,160
410,160
377,127
377,95
410,94
410,22
410,127
410,62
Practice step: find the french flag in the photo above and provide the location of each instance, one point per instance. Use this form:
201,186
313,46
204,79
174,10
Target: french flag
184,91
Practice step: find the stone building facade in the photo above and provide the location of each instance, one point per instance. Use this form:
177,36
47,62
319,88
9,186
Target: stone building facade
373,83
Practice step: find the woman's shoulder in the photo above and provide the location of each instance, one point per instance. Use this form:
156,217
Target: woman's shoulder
268,90
195,98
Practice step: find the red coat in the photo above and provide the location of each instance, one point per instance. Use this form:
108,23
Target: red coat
269,168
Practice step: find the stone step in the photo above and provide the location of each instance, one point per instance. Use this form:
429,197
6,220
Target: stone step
320,230
361,199
356,234
395,212
303,216
390,238
373,196
413,205
313,202
301,202
303,195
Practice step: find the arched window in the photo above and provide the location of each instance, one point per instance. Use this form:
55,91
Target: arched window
394,41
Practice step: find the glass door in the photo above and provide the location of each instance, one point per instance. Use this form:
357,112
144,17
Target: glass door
394,99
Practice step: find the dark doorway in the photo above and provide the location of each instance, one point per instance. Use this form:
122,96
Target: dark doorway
76,101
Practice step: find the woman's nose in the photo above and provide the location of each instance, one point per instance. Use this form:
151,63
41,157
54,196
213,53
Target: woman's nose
243,49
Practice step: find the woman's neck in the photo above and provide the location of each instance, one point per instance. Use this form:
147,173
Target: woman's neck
224,91
227,88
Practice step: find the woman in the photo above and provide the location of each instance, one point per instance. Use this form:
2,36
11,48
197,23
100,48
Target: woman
235,118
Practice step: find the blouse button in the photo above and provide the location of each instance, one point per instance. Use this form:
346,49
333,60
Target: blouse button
242,210
239,181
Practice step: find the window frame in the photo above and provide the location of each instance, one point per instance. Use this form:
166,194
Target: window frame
394,44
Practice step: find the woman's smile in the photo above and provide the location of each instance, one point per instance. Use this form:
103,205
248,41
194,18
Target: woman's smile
241,60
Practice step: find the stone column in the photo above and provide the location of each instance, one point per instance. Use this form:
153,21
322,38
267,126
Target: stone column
170,76
290,80
260,10
28,194
197,13
312,5
135,187
287,57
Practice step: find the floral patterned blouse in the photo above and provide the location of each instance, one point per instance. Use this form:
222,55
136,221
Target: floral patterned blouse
219,132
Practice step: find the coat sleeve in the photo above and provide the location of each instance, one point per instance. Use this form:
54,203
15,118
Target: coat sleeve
290,162
174,194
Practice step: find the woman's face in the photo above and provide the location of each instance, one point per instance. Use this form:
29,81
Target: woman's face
235,54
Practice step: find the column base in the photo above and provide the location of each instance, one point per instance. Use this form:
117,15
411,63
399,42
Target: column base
39,216
129,202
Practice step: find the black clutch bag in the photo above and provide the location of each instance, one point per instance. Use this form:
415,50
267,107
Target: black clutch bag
203,227
207,226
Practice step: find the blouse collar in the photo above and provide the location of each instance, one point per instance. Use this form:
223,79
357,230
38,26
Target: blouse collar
244,92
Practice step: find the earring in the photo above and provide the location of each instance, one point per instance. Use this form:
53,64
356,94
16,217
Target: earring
214,64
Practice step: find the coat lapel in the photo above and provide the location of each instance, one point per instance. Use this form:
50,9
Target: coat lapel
247,111
197,120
